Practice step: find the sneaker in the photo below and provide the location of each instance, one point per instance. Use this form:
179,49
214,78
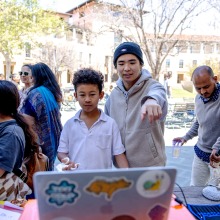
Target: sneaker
212,191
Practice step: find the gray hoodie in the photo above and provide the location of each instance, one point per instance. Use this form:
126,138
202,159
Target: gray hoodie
144,142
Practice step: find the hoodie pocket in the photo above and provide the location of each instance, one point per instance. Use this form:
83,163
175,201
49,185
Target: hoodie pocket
152,145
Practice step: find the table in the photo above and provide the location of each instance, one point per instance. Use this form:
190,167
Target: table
193,195
202,207
176,211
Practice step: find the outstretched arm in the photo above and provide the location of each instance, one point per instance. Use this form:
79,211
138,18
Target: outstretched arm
193,132
154,104
179,140
151,109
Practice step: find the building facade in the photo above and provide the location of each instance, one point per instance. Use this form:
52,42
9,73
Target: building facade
88,43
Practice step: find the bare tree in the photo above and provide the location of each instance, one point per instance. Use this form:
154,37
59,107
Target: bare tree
157,25
215,4
215,15
59,55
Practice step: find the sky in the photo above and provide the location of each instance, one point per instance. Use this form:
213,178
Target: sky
65,5
200,25
60,5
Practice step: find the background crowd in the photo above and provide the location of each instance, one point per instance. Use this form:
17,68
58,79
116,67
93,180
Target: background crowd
131,135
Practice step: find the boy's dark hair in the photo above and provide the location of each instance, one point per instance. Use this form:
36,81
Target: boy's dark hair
88,76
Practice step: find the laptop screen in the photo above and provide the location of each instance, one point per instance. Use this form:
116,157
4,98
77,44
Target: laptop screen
134,193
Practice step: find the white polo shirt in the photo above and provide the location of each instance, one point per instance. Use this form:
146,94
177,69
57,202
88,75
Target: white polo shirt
92,148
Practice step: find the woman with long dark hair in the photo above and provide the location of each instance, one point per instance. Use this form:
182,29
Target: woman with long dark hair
42,105
17,140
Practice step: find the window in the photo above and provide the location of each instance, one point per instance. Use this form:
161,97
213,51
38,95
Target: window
70,20
181,64
27,50
168,63
106,61
177,49
117,38
90,58
44,53
208,48
108,66
82,14
80,56
194,62
152,49
79,36
164,49
69,35
195,48
218,48
116,14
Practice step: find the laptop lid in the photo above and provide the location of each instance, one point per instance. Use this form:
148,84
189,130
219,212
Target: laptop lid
114,194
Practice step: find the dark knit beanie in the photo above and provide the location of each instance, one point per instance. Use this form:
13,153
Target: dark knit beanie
128,48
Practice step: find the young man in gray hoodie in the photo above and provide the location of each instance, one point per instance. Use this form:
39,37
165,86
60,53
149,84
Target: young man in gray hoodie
139,106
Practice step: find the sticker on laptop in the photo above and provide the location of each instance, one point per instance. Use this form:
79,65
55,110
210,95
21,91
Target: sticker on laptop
62,193
153,183
158,212
107,187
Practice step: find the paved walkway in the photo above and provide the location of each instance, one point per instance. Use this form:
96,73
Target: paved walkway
183,164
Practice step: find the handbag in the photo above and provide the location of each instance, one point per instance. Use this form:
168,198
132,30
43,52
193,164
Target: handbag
37,161
12,187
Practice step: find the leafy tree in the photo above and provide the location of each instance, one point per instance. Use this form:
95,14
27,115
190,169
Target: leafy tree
157,25
22,22
190,70
212,62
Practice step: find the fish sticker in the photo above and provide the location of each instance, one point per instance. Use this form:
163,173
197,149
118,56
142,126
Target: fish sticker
107,187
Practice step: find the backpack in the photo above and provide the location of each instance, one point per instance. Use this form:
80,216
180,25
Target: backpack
36,162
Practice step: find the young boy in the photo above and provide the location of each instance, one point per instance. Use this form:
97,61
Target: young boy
90,139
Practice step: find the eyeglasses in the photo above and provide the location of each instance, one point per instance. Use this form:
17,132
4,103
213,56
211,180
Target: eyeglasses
24,73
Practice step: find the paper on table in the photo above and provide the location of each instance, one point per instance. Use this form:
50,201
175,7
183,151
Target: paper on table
8,204
6,214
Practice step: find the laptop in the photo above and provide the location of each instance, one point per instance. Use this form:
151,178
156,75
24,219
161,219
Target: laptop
114,194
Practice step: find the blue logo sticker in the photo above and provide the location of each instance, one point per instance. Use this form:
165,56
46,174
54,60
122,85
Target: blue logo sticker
62,193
